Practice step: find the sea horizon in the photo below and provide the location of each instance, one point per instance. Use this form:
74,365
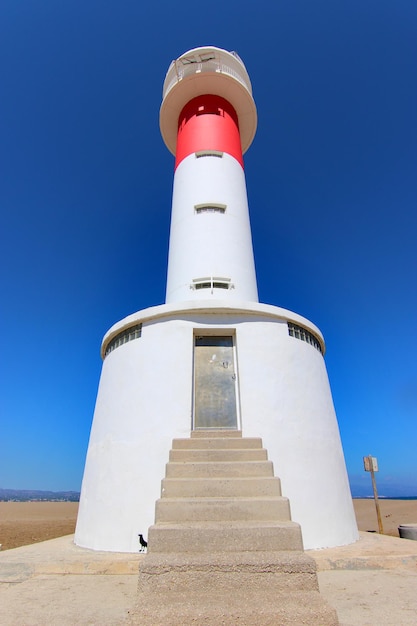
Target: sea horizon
371,497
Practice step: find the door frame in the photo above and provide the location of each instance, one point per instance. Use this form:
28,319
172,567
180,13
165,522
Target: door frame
217,332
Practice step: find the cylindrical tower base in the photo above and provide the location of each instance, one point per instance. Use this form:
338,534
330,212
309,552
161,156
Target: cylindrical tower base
282,395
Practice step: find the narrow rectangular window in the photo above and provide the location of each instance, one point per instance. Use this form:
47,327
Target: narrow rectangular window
214,282
209,153
302,333
134,332
210,208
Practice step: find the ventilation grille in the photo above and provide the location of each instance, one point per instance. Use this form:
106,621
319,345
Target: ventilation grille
301,333
209,153
134,332
212,282
210,208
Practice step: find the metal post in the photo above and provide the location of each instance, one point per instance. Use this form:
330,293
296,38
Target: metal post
378,512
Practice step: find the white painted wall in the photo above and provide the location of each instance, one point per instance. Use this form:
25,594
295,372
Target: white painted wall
140,406
286,399
210,244
145,400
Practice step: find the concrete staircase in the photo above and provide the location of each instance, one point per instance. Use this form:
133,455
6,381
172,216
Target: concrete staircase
223,550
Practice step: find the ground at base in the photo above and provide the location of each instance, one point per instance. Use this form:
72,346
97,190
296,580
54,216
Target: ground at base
370,583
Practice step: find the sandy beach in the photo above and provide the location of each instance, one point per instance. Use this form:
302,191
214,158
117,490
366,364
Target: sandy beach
24,523
393,513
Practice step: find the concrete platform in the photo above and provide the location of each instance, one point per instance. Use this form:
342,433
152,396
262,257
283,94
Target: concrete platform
370,583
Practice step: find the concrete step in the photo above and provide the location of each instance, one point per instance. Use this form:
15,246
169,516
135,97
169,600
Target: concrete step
214,456
215,433
246,606
217,443
224,537
221,509
223,550
220,487
290,566
226,589
226,469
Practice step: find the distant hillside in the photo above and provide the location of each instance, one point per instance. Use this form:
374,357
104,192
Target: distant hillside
23,495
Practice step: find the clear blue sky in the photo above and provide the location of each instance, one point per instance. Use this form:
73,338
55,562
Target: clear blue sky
85,197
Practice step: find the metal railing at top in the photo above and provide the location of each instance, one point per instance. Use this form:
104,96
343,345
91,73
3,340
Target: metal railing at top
179,70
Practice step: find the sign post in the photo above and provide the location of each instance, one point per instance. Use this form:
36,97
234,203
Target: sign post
371,465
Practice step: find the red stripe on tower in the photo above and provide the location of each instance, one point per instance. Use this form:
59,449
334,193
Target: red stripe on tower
208,122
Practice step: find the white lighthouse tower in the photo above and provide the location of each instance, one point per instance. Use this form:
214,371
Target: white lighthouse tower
211,357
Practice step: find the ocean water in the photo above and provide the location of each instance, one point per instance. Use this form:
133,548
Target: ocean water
385,497
396,497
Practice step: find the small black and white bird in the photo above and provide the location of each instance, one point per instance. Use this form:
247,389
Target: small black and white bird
143,543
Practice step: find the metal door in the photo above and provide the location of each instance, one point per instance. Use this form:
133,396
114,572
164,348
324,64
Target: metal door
215,404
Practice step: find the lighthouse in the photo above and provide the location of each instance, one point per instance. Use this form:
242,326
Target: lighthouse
212,357
207,124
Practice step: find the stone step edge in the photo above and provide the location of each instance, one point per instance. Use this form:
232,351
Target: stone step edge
210,443
226,463
219,525
215,433
296,608
212,479
260,454
219,469
221,499
290,562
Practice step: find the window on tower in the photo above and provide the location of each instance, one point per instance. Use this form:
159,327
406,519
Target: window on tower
202,285
212,282
301,333
134,332
206,109
210,208
209,153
